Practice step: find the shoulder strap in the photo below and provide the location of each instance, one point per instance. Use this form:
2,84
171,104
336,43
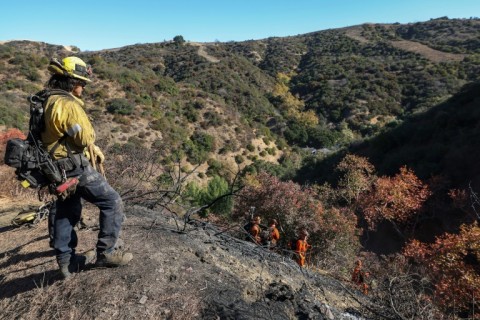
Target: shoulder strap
57,144
69,150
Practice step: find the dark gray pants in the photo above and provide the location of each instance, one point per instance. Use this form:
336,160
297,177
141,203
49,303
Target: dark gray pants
95,189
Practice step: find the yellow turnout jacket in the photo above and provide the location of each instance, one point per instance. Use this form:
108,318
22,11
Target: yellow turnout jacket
64,114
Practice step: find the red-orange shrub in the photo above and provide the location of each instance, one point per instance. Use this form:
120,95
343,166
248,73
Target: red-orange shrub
395,199
295,207
284,201
453,262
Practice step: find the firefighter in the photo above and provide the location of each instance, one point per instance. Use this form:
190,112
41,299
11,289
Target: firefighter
360,277
67,135
301,247
357,272
273,234
255,230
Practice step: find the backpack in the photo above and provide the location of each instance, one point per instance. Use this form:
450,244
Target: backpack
247,228
292,244
34,166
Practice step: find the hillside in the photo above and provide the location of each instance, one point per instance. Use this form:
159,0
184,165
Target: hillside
441,141
198,273
324,89
366,136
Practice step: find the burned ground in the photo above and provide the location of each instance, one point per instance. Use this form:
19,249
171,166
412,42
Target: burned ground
199,273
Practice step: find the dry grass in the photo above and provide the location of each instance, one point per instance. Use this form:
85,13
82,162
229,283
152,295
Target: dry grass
10,187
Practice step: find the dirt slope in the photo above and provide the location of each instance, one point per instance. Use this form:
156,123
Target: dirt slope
426,51
407,45
196,274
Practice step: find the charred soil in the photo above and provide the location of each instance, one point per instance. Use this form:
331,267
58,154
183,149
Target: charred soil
198,273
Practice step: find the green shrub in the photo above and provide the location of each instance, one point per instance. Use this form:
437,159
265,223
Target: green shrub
30,73
8,85
191,113
211,119
13,118
296,134
239,159
271,151
173,135
144,99
215,167
179,40
5,52
193,194
167,85
281,143
198,147
217,187
120,106
204,141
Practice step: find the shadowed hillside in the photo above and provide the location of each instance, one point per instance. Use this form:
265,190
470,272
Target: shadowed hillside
442,141
441,146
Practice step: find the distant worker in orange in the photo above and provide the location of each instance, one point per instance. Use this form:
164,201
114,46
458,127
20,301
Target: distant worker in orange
273,234
255,230
357,272
359,277
365,286
301,247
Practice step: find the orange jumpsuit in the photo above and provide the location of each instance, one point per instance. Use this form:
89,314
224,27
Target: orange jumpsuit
274,235
357,274
301,250
358,277
255,232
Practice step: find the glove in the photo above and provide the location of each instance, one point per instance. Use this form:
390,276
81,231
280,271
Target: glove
98,154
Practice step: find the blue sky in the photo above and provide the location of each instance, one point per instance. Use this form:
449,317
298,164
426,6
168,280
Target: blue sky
96,24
